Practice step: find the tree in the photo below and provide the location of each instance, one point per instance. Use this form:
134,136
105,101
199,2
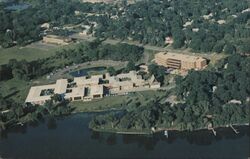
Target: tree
229,49
2,125
218,47
130,66
179,39
157,71
179,115
57,98
111,71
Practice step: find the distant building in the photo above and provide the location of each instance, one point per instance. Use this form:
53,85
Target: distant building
54,39
45,25
180,61
144,68
94,87
169,40
221,21
86,30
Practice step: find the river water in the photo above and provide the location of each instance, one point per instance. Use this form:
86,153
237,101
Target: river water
71,138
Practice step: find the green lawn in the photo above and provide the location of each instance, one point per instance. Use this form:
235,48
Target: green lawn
105,103
26,53
18,89
15,89
115,102
30,52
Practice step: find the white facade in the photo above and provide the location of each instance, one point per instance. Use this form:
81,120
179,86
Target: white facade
86,89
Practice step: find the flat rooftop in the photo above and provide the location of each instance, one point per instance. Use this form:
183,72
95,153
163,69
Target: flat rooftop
77,91
96,90
182,57
61,86
35,93
89,87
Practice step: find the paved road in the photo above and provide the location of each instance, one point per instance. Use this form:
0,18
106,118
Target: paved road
116,41
150,47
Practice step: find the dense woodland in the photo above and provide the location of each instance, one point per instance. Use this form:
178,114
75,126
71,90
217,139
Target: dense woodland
219,97
202,26
23,27
151,21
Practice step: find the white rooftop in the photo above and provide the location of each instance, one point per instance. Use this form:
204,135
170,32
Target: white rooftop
35,92
77,91
96,90
61,86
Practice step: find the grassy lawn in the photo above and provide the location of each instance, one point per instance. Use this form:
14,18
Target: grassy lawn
105,103
15,89
115,102
18,89
30,52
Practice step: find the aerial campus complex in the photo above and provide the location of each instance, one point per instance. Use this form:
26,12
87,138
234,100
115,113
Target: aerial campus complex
97,86
94,87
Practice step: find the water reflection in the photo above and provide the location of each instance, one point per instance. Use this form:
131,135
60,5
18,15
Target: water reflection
72,134
51,124
111,139
202,137
17,129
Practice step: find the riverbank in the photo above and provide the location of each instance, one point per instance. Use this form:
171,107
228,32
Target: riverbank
72,134
159,130
127,132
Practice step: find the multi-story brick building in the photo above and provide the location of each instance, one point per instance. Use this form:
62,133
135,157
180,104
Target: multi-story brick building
180,61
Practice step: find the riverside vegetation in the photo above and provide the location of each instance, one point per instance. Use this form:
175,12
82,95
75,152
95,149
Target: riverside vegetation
219,97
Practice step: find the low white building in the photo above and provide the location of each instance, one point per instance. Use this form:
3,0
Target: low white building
94,87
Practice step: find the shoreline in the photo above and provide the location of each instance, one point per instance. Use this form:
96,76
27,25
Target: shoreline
150,132
137,132
96,111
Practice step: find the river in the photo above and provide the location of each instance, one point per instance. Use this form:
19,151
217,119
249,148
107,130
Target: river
70,137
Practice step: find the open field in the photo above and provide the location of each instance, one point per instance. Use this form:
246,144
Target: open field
26,53
30,52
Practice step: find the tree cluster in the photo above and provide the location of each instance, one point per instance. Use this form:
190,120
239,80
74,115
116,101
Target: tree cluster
24,70
219,97
192,24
